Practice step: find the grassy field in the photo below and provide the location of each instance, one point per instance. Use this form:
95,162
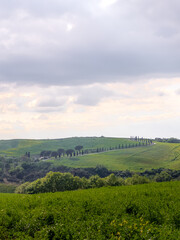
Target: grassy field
159,155
149,211
20,147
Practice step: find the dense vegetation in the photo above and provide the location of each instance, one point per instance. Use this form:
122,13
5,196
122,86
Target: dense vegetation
56,181
150,211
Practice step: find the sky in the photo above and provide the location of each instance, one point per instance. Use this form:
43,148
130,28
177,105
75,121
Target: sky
89,68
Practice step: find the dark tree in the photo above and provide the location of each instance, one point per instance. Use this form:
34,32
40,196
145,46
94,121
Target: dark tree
78,148
69,152
42,153
60,152
54,154
45,154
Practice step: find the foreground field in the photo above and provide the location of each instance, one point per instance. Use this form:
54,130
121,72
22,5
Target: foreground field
159,155
150,211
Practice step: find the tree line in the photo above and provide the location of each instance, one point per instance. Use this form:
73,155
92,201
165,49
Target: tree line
168,140
56,181
78,150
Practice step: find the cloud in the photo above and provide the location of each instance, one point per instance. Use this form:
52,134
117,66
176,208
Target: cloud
91,96
110,41
111,109
178,92
51,102
48,104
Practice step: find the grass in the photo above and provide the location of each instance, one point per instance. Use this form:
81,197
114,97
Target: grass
159,155
150,211
20,147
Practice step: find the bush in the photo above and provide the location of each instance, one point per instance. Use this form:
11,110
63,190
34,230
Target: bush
136,179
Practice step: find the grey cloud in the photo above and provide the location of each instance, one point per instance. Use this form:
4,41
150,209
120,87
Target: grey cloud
92,96
132,40
48,109
178,92
161,94
50,103
4,88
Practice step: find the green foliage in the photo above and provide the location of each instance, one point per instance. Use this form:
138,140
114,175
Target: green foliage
136,179
162,177
53,182
112,180
56,181
128,212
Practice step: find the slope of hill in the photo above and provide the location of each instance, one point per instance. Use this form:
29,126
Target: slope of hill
20,147
149,211
159,155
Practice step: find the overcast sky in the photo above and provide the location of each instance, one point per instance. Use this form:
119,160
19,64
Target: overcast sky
89,68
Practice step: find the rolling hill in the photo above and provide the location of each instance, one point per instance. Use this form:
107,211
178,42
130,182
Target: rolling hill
158,155
18,147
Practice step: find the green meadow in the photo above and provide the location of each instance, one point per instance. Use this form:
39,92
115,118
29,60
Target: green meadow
159,155
20,147
149,211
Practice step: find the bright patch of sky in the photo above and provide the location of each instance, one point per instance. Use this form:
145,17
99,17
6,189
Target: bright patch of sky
107,3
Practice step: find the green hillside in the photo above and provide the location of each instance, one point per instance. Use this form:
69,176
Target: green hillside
149,211
20,147
159,155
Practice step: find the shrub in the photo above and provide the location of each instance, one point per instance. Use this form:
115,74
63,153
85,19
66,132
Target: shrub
136,179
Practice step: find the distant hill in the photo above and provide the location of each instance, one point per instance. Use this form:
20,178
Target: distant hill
18,147
158,155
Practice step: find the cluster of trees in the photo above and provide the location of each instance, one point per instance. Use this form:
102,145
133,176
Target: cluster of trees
61,152
168,140
141,139
55,181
